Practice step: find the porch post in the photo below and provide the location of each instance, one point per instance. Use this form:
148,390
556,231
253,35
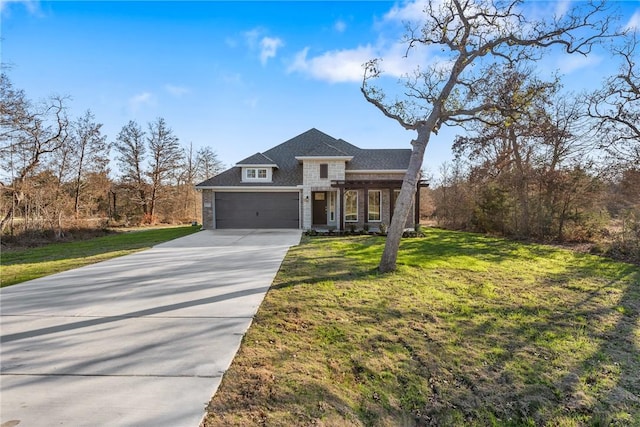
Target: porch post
391,204
366,205
416,208
341,222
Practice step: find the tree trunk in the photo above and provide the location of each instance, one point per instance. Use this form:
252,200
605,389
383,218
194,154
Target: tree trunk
78,182
405,199
152,206
7,218
522,184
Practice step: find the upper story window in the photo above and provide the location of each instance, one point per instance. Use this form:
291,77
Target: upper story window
324,170
256,174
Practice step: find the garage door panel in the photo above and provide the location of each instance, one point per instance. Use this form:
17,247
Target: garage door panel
257,210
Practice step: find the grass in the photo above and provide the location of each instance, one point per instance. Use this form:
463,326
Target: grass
26,264
469,331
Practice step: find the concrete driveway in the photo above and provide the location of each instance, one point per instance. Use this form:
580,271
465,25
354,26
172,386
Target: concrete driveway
141,340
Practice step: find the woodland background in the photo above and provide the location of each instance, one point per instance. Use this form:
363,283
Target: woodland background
564,169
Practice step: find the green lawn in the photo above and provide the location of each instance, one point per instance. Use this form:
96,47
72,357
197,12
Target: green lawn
21,265
470,331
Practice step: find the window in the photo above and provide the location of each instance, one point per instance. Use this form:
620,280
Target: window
324,170
255,174
351,206
332,206
375,196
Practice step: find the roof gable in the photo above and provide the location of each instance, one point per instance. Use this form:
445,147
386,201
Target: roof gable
257,159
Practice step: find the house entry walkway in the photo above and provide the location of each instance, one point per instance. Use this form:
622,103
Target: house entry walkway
141,340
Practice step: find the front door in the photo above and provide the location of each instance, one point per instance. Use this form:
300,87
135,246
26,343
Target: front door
319,208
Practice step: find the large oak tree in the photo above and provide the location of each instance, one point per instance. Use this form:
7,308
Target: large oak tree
466,41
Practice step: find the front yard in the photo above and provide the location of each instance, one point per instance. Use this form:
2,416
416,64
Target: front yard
470,331
30,263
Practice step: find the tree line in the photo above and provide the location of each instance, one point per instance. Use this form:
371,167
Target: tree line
549,165
535,162
56,170
532,161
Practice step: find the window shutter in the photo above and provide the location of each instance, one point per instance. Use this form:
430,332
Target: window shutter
324,170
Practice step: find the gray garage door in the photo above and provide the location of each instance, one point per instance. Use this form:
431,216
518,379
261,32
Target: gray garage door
257,210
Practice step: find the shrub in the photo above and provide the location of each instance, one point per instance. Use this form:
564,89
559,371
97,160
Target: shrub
383,228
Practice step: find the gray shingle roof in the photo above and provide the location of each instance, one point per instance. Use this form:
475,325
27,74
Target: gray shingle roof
380,159
257,159
324,150
311,143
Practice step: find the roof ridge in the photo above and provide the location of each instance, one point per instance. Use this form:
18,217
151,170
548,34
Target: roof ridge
335,148
267,157
253,158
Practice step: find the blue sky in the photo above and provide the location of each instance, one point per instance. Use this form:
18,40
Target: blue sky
240,77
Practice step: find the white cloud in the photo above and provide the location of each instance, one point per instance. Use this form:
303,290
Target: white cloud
144,99
33,6
346,65
408,11
177,91
570,63
634,22
562,7
396,62
268,48
334,66
252,36
340,26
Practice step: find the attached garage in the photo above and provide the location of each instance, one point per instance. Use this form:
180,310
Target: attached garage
257,210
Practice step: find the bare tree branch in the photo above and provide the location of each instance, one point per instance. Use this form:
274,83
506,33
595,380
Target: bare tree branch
491,34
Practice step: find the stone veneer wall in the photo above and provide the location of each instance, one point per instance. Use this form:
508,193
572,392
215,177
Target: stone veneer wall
207,209
313,182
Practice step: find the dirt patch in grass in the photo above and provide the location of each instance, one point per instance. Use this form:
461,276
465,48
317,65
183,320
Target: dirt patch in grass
469,331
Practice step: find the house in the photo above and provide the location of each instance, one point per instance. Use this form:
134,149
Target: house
312,181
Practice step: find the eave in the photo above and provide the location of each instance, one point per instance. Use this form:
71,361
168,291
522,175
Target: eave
249,188
376,171
253,166
345,158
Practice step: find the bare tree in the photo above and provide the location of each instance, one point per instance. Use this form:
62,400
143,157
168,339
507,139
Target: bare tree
469,40
165,157
90,153
207,164
29,133
196,167
131,149
616,107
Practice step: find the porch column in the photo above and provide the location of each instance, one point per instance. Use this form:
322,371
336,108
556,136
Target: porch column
416,208
391,205
365,219
339,210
